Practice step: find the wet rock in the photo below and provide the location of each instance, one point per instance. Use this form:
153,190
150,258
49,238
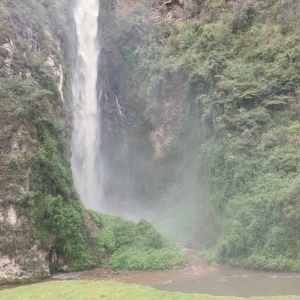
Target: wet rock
63,268
115,273
25,263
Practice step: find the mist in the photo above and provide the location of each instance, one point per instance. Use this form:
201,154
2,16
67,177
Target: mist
125,163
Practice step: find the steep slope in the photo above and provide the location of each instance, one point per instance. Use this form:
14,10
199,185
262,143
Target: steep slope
43,224
41,215
216,93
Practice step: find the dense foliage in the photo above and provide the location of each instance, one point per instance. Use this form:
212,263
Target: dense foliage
233,68
135,246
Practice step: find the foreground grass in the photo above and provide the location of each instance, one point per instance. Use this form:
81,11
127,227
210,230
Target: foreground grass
77,290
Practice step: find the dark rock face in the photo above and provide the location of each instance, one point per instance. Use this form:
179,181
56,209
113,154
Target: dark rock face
127,168
32,70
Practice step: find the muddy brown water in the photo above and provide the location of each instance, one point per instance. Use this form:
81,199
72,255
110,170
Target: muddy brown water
238,282
199,277
196,267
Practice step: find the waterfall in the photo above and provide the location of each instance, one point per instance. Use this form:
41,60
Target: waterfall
85,144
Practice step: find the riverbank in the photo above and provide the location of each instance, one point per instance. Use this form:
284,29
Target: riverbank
196,267
83,290
197,277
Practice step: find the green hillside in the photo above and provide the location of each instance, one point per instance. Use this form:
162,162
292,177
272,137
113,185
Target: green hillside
223,87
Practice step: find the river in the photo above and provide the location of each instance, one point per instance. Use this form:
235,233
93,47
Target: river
228,281
200,277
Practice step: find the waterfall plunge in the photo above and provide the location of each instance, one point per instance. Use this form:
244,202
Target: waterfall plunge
86,163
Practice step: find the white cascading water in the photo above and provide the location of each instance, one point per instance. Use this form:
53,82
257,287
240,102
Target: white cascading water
86,164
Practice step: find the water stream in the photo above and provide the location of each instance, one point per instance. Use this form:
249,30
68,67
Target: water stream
238,282
86,139
200,277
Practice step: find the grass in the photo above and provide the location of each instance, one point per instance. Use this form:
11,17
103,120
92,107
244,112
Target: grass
78,290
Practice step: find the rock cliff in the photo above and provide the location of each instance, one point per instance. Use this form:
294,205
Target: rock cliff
44,227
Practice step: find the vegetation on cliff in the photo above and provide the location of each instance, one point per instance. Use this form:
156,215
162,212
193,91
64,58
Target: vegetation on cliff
42,220
217,95
36,180
231,68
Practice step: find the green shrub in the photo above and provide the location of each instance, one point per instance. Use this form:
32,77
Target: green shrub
135,246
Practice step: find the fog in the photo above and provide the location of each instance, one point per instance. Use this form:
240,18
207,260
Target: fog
115,166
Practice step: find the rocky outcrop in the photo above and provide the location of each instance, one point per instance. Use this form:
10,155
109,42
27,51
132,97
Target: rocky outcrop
8,214
127,169
57,70
28,50
25,265
162,10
